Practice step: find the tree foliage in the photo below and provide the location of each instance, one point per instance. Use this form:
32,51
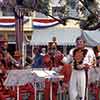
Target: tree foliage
89,9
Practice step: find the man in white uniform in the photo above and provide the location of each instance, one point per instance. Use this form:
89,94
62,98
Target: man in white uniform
77,84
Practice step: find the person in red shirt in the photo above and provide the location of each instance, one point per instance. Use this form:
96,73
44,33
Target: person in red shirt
52,61
6,55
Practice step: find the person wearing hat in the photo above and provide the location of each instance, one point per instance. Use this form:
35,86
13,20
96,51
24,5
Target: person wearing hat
53,61
17,57
3,43
94,75
7,56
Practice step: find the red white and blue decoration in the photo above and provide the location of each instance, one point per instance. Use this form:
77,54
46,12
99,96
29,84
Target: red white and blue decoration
10,22
44,23
6,22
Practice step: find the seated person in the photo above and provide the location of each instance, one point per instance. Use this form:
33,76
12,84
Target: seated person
38,59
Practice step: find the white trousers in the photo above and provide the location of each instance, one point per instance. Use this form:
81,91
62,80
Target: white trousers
77,85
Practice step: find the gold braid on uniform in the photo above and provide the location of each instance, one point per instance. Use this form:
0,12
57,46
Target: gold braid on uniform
78,55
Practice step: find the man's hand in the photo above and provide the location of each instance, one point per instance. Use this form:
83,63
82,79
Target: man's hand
57,69
80,66
64,87
83,66
87,66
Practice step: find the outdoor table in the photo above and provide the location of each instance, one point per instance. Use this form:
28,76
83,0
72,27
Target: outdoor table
18,78
48,74
24,76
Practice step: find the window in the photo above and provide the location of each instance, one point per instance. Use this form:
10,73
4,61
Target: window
58,11
29,50
11,48
40,15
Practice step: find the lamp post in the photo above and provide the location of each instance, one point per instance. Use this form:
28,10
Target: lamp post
19,16
22,6
19,27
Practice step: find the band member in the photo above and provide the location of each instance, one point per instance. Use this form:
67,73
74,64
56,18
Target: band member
2,70
83,59
52,61
7,56
17,59
94,76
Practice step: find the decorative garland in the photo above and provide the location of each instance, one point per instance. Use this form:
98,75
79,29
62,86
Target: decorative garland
44,23
6,22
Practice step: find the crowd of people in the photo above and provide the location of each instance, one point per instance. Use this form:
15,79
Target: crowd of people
80,68
80,64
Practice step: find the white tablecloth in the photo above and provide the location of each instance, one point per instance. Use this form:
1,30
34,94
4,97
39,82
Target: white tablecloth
19,77
22,77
